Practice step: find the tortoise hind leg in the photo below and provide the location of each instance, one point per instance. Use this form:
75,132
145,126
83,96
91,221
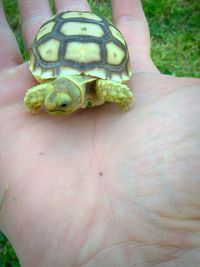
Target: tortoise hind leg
115,92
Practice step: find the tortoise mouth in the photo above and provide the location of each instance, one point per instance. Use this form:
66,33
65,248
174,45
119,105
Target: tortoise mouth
60,111
56,111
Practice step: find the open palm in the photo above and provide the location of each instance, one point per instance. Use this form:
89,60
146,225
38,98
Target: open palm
101,187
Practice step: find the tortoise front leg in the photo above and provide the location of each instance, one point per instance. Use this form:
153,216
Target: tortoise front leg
36,95
115,92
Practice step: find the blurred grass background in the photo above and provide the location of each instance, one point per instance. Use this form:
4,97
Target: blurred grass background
175,36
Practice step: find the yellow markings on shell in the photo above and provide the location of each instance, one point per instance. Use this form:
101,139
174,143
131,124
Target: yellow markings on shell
47,74
128,68
96,72
49,50
81,28
37,73
117,35
126,76
31,62
116,77
45,30
120,77
64,71
83,52
81,15
115,54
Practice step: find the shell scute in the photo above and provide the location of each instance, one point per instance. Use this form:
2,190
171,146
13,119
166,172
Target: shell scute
79,43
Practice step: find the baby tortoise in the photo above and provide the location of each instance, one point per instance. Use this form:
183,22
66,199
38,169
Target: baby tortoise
80,60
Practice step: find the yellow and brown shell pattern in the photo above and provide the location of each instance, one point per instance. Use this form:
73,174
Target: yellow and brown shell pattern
79,43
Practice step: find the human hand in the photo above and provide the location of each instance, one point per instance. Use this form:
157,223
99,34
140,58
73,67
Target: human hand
101,187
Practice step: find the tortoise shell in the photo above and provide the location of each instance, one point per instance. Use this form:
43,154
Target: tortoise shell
80,43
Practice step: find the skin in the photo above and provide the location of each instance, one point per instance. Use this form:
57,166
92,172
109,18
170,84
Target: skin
100,187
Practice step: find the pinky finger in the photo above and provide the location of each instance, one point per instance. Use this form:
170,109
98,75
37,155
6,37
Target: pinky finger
10,53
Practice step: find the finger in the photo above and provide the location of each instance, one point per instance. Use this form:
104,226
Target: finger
131,21
61,5
33,13
10,54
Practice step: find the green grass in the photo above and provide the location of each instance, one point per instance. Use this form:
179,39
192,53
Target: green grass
8,257
174,27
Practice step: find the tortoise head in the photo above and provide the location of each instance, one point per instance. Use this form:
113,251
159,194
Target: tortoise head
64,96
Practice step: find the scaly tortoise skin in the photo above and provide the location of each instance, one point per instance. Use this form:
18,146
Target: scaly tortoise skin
81,60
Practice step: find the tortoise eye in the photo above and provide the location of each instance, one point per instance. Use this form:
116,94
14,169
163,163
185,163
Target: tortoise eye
63,105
